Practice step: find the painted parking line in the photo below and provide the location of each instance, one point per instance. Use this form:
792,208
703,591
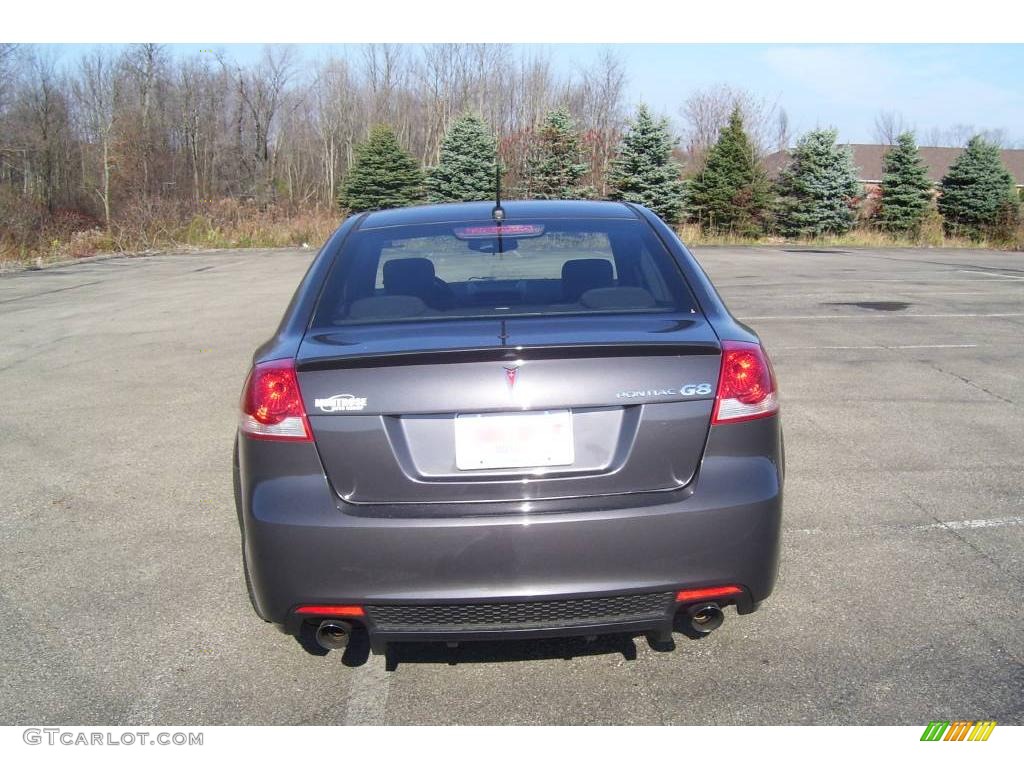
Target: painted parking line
885,346
940,525
914,293
879,316
997,275
914,280
959,525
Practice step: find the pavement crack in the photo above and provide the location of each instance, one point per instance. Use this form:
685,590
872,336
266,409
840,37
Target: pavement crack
945,526
980,267
46,293
976,549
970,383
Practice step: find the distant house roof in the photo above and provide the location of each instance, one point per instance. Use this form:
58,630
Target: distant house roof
868,158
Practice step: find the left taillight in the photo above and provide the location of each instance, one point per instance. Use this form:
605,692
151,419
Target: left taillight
272,403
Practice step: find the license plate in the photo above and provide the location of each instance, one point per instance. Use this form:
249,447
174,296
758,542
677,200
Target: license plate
507,440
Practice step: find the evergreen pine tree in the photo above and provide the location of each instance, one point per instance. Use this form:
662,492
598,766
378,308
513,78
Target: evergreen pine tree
817,190
906,190
555,167
644,171
383,175
977,192
732,192
466,167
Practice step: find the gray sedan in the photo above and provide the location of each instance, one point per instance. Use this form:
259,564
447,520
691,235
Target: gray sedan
531,420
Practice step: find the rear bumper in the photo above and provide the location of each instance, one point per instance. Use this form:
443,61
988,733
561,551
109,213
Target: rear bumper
304,546
660,615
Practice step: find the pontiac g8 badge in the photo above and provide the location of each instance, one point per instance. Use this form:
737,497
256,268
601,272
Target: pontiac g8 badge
686,390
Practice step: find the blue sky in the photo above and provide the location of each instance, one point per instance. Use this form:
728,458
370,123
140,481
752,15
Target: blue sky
932,86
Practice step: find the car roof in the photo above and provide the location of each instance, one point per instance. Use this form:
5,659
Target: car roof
481,211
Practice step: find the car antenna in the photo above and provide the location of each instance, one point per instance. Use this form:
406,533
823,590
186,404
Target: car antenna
498,213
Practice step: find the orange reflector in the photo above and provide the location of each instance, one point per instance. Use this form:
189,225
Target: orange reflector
330,610
709,593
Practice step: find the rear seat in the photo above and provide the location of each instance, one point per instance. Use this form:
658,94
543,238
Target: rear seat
582,275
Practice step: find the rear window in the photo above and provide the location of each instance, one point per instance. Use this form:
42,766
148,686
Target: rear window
534,268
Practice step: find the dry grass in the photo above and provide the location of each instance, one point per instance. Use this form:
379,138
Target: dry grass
861,237
30,236
163,226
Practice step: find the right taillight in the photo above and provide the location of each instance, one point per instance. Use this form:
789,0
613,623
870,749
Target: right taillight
272,403
746,384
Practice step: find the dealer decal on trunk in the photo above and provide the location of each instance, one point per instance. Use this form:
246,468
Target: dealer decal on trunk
340,403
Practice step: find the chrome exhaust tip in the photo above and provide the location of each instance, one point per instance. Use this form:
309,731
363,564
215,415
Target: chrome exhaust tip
705,617
333,635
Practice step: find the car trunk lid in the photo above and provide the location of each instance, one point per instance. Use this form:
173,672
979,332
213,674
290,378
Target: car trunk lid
406,413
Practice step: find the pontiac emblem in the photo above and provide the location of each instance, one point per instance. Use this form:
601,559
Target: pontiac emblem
510,377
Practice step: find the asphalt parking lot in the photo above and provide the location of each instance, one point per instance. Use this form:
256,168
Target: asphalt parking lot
899,598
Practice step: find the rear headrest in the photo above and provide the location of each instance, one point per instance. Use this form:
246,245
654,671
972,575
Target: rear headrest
619,297
386,307
409,277
582,275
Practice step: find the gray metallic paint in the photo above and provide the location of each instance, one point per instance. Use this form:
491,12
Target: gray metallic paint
304,544
368,461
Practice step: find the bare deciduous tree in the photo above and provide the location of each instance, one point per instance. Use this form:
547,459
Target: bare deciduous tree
601,112
128,134
261,94
888,126
8,51
43,110
97,89
706,111
145,71
958,134
334,120
783,136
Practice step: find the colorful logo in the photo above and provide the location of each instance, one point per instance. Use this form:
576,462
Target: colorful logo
958,730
